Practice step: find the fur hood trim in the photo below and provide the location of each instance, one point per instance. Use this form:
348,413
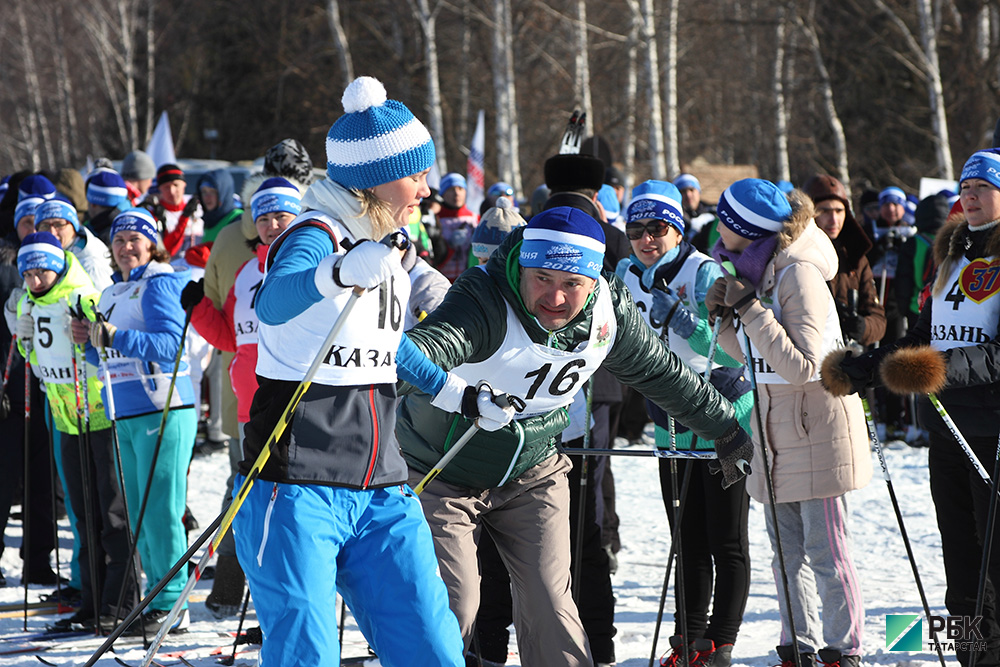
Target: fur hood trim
803,213
950,244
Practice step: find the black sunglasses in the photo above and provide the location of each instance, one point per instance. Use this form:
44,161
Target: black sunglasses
655,228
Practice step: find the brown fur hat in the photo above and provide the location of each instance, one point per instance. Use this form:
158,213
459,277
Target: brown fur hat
914,370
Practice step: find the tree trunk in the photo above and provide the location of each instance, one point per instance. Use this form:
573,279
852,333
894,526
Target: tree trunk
935,91
657,163
464,136
428,24
829,108
340,41
501,89
126,24
632,91
782,170
37,120
513,175
150,71
583,62
673,162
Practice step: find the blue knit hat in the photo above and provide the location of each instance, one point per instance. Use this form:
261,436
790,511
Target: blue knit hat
785,186
753,208
57,208
25,207
685,181
136,220
273,195
41,250
450,180
659,200
563,239
608,199
36,185
894,195
107,188
377,140
494,227
984,165
500,189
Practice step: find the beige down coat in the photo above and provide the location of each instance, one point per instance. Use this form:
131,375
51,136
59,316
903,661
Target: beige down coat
817,443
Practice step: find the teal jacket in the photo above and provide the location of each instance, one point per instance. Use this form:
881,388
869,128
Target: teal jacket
470,325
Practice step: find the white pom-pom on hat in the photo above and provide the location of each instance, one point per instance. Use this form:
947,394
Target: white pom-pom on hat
503,203
363,93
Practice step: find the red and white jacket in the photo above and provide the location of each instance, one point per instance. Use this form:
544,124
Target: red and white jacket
234,329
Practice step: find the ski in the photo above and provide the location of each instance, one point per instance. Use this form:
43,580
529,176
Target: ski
34,636
573,136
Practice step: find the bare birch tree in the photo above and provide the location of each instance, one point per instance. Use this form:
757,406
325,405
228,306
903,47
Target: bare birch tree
782,170
632,90
582,81
427,18
657,161
150,72
505,96
340,44
37,121
826,94
673,161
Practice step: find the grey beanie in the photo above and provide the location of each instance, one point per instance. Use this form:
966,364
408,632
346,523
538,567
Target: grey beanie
138,166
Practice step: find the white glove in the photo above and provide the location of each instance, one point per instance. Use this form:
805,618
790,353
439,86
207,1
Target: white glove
25,329
367,264
491,411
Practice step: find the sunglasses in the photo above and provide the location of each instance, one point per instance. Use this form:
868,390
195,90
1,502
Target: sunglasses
655,228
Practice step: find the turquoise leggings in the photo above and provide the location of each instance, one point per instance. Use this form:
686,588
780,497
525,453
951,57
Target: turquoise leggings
162,539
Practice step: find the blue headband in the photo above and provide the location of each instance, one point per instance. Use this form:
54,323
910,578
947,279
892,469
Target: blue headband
893,195
274,195
451,180
563,239
26,207
59,209
984,165
136,220
753,208
685,181
658,200
41,250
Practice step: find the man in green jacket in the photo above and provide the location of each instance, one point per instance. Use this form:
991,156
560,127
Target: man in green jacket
537,321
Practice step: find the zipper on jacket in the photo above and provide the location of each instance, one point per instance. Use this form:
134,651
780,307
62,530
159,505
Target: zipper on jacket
267,526
375,443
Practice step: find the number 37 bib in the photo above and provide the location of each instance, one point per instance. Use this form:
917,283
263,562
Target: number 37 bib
546,378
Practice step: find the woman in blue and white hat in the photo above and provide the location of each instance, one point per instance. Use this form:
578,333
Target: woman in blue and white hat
141,334
777,264
330,512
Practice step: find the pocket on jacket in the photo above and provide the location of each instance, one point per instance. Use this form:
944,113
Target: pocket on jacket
801,417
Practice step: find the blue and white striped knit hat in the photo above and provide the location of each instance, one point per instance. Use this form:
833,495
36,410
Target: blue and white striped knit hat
659,200
451,180
494,226
984,165
136,220
685,181
274,195
892,195
609,202
377,140
57,208
41,250
25,207
36,185
753,208
563,239
107,188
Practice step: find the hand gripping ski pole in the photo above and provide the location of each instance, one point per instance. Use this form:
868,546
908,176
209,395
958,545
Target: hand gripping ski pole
504,400
873,436
225,520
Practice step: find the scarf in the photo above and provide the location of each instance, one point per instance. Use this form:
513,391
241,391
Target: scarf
331,198
751,261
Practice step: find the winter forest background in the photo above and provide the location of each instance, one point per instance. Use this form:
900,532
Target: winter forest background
876,92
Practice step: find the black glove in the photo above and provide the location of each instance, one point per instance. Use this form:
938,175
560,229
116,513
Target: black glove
192,294
853,327
735,451
860,370
190,207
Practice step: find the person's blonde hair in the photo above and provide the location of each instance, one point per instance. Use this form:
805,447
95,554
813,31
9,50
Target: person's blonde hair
378,211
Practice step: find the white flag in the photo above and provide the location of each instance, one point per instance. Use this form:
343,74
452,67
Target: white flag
475,169
161,144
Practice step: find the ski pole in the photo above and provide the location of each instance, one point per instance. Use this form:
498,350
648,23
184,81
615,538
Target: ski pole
991,517
156,455
88,490
963,443
225,519
873,436
770,495
231,659
581,501
50,427
700,455
25,514
503,400
680,598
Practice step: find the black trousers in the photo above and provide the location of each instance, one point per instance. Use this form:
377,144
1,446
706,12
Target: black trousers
961,502
40,522
110,539
715,549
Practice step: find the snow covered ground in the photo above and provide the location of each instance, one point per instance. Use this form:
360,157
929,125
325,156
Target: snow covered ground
885,574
